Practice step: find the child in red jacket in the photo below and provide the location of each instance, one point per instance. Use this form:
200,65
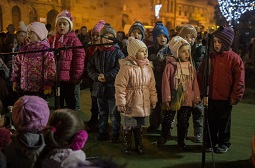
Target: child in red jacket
226,88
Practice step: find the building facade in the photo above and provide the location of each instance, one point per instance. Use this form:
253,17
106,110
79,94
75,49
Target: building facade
119,13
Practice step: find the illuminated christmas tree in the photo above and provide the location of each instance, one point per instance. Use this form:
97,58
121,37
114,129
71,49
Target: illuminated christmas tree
233,9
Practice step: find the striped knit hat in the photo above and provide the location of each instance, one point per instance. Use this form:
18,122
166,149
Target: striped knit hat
107,29
226,35
134,45
137,25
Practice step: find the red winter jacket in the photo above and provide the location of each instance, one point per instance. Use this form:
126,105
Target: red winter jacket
226,76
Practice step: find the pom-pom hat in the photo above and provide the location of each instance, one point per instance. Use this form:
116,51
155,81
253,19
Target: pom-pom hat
39,29
226,35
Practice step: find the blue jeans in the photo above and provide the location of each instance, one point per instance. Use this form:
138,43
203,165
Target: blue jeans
107,107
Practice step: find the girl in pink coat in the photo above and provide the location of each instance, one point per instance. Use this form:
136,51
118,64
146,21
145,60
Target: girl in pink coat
34,72
180,91
135,92
71,60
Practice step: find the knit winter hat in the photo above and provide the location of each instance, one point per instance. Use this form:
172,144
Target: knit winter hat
98,27
30,114
188,29
107,29
226,35
65,14
158,30
134,45
137,25
175,43
22,27
39,29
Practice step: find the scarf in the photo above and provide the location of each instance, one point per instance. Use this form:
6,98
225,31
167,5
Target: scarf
183,74
60,38
103,48
139,62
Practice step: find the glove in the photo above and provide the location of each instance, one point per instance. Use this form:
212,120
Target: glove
14,86
47,90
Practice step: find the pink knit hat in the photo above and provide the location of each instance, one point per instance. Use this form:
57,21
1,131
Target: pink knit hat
39,29
65,14
30,114
98,27
175,43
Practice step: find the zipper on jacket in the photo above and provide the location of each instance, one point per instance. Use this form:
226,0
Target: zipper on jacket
142,90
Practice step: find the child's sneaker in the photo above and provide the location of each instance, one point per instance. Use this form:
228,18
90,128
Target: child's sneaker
221,149
209,149
197,138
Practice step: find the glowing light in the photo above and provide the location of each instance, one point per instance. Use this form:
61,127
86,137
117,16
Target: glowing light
157,9
233,9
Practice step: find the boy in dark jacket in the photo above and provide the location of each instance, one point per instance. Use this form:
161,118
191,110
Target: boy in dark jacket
102,69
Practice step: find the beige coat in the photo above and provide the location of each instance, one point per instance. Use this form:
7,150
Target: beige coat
135,88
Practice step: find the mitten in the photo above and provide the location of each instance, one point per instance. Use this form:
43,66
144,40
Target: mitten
47,90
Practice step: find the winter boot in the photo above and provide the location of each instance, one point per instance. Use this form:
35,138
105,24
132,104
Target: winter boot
166,127
164,135
138,140
127,141
181,132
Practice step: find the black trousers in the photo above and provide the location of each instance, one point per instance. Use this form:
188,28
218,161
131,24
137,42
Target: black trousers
67,95
183,115
219,120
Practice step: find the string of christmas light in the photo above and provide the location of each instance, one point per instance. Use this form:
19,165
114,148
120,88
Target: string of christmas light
233,9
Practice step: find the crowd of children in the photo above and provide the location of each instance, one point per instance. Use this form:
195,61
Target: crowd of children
134,85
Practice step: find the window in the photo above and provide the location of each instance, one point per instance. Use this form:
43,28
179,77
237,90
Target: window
171,6
16,16
180,10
